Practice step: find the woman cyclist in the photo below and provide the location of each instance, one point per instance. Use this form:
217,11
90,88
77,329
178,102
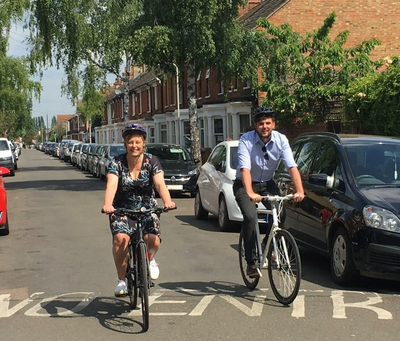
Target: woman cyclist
131,180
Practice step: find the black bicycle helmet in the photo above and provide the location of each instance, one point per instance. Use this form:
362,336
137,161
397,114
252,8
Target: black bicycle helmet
263,112
134,128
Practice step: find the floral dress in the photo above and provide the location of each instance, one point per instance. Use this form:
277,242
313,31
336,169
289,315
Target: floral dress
135,193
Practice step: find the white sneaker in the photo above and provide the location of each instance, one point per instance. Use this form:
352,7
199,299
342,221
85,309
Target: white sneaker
121,290
154,270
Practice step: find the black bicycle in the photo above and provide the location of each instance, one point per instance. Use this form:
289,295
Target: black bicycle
137,275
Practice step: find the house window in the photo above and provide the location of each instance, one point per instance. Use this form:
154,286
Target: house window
221,88
198,88
201,121
149,99
155,99
247,85
133,105
208,94
218,130
186,133
140,103
167,94
233,84
163,131
152,137
244,124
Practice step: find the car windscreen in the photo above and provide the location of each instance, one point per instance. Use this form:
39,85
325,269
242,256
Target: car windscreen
4,145
169,153
117,150
375,163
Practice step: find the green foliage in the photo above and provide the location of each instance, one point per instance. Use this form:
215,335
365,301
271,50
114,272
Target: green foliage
373,102
303,72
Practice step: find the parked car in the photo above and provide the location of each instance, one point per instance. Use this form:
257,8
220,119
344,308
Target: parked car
351,212
94,167
110,151
79,152
214,192
75,153
68,150
180,170
4,228
6,156
86,155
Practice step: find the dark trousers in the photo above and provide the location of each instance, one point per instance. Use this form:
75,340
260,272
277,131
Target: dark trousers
249,212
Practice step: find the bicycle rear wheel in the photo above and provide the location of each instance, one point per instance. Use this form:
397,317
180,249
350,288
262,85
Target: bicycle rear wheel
284,267
251,282
130,279
144,283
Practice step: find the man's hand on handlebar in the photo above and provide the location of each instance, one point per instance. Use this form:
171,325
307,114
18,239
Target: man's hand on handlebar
298,196
254,197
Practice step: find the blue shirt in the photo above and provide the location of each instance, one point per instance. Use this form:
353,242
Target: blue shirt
251,156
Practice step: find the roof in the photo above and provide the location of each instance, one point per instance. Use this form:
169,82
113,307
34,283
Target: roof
263,10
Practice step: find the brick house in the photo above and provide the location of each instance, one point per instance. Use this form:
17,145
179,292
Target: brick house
153,100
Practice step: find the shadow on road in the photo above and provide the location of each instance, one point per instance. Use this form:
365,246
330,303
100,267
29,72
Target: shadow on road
108,311
210,224
77,185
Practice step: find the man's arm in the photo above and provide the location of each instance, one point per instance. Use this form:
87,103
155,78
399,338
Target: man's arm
248,185
296,178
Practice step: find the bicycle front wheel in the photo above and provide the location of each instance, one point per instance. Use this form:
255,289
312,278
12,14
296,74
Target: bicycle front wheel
144,283
130,279
284,267
251,282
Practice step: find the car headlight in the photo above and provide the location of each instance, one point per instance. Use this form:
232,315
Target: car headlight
380,218
193,172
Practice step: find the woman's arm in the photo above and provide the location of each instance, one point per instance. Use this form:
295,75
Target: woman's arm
161,188
111,189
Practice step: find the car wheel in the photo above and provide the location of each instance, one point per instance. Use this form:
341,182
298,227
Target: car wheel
15,166
6,230
12,172
343,269
224,223
199,212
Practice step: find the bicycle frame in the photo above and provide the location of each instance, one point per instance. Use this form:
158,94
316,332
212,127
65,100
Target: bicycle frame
262,256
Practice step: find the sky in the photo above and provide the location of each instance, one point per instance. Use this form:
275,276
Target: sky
52,102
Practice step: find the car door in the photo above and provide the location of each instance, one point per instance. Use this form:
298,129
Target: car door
316,209
209,178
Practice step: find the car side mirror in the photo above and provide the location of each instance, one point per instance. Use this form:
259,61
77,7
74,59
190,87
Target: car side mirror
318,179
196,161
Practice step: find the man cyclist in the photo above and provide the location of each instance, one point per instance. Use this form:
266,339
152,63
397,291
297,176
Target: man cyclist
259,153
131,180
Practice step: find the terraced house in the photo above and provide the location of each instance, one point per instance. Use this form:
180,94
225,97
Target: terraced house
162,108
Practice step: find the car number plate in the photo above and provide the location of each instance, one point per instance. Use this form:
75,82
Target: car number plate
175,187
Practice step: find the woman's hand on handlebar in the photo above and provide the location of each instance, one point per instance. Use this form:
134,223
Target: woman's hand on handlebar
169,205
108,209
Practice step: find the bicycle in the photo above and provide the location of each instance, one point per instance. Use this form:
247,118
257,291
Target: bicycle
137,275
280,255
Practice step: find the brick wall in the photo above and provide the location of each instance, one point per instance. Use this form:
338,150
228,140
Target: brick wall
363,19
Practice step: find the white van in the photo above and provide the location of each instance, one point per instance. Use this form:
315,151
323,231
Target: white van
6,156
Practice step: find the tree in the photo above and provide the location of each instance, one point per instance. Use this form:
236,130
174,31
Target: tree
373,102
89,38
302,73
194,35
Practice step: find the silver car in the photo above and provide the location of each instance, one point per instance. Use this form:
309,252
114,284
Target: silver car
110,151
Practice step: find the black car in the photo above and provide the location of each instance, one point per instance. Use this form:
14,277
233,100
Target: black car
180,171
351,211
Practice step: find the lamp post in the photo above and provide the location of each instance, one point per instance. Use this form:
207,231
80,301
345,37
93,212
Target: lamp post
178,104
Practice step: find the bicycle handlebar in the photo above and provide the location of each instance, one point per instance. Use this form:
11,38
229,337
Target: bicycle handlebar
142,211
272,198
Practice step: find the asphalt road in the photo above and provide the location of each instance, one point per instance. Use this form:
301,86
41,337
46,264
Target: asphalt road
57,276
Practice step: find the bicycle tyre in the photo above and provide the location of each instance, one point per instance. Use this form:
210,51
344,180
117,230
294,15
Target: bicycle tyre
131,280
143,272
250,282
285,279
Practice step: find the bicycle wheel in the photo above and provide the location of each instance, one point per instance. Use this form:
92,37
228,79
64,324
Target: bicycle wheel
284,267
251,282
130,279
144,283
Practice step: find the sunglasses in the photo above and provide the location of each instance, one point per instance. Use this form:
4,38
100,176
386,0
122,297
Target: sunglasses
266,156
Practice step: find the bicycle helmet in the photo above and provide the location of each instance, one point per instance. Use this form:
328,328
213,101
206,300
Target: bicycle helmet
134,128
263,112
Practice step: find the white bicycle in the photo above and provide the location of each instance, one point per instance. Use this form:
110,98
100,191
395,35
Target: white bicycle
280,255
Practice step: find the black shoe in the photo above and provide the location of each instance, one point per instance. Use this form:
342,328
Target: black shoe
252,271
